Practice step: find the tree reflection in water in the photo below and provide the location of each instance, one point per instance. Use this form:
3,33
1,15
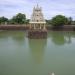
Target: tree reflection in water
60,38
37,48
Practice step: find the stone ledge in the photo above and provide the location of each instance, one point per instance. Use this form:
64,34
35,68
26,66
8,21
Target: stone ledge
37,34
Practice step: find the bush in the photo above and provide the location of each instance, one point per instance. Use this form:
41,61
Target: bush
59,20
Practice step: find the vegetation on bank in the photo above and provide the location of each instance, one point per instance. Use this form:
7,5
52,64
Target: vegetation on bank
58,20
17,19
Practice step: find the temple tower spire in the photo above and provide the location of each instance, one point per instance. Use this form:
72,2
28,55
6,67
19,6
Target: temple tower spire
37,24
37,20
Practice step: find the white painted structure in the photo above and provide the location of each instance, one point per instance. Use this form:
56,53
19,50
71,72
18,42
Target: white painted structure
37,20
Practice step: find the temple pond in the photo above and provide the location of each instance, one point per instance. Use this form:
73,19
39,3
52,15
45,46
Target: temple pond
22,56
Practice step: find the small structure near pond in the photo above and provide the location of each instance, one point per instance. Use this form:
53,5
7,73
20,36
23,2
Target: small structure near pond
37,26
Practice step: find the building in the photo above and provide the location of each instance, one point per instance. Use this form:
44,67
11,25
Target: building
37,24
37,20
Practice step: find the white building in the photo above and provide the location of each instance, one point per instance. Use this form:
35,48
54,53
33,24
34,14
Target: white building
37,20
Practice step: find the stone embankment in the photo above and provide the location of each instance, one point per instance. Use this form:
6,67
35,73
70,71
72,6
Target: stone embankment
48,27
14,27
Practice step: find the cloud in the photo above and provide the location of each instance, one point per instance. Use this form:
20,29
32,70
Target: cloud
9,8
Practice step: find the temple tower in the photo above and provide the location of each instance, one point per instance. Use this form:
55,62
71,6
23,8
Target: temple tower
37,20
37,24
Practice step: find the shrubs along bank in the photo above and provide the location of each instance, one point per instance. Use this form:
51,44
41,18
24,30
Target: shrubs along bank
17,19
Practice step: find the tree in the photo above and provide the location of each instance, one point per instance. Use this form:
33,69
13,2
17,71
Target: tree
59,20
18,19
0,20
27,21
3,20
48,22
12,21
73,22
70,20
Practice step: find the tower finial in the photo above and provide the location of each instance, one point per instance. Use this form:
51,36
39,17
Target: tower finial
37,5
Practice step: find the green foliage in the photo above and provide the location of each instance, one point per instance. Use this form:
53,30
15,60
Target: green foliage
70,20
3,20
0,20
18,19
12,21
73,23
48,22
27,21
59,20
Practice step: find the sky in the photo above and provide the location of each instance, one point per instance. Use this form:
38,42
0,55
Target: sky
50,8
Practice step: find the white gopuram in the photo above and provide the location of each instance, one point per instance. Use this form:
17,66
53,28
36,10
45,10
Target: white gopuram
37,20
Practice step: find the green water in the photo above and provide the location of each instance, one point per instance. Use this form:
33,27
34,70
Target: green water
22,56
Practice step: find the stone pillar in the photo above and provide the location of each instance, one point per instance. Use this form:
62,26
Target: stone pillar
44,26
30,26
34,26
40,26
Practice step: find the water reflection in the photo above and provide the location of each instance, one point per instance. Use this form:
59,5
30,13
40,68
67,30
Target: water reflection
17,36
37,48
20,55
60,38
3,35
